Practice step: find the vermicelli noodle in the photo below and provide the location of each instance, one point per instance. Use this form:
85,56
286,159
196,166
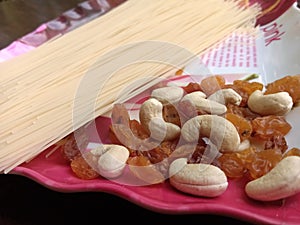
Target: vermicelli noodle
39,90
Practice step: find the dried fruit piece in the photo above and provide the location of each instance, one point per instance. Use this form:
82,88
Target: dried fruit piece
191,87
277,142
269,126
248,86
171,115
232,165
211,84
74,143
161,152
263,162
125,131
253,163
242,111
138,130
204,154
82,169
242,125
143,169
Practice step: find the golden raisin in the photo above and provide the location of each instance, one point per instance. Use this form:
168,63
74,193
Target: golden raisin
277,142
242,111
242,125
191,87
231,165
161,152
130,135
138,130
143,169
171,115
248,86
211,84
74,143
249,162
246,156
82,169
263,162
269,126
120,124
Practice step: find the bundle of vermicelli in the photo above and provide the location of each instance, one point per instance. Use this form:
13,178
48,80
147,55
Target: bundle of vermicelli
49,92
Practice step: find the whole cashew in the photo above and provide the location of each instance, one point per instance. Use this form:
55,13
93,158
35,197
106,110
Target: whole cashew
168,95
271,104
151,119
225,96
197,179
110,159
281,182
199,102
221,132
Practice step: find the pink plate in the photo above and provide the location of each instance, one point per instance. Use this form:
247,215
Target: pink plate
53,172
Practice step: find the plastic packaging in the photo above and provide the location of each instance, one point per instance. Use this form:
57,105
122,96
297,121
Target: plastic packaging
281,45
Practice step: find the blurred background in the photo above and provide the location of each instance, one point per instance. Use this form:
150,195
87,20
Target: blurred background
19,17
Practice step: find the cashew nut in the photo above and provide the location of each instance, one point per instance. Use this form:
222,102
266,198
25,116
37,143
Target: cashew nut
197,179
221,132
110,159
151,119
168,95
271,104
199,102
225,96
245,144
281,182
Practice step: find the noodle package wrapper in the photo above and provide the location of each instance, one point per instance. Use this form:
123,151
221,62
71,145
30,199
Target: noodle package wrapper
273,54
280,48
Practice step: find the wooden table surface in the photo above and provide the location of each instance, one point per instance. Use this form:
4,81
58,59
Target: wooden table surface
25,202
